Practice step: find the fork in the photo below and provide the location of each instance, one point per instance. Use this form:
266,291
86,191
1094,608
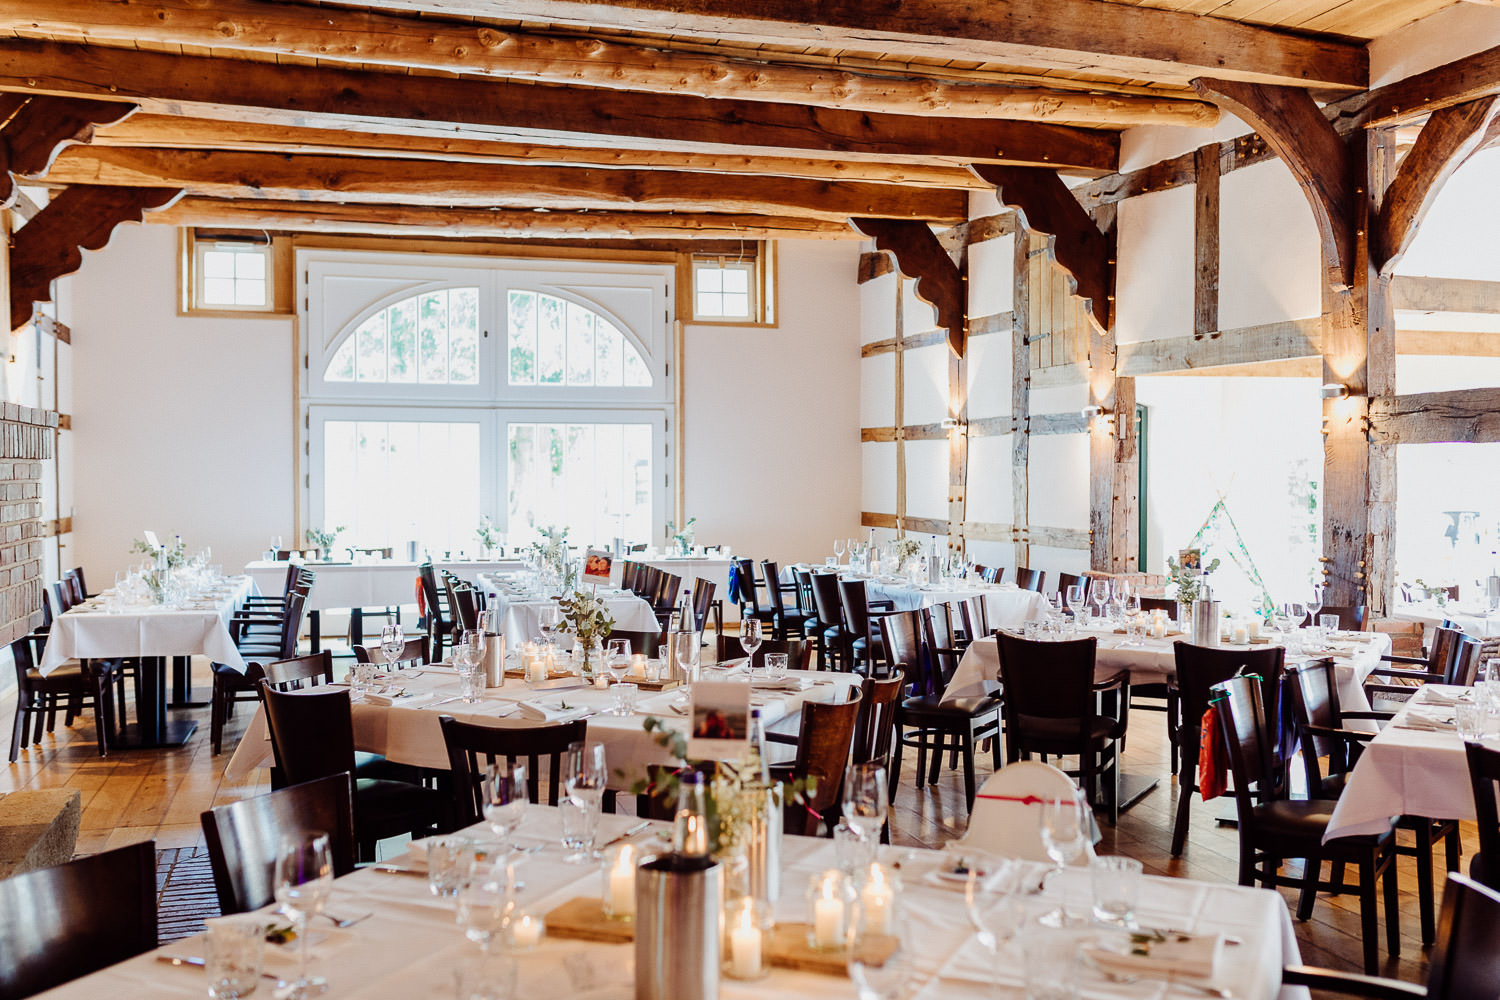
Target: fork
347,921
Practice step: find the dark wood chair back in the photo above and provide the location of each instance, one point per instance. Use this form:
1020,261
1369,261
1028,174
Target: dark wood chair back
63,595
854,603
823,744
650,583
807,604
472,748
976,617
1049,692
938,623
300,671
1484,778
1201,668
1245,728
1464,661
46,612
703,602
1466,958
244,837
312,732
59,923
990,574
826,599
415,653
1312,689
667,586
1351,616
1066,580
771,573
1031,579
438,620
640,642
880,697
905,653
466,607
749,586
74,579
798,651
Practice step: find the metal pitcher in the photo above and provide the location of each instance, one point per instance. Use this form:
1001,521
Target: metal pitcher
1207,615
494,659
677,904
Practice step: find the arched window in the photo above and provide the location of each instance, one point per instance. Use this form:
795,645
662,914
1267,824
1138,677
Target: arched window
431,338
555,341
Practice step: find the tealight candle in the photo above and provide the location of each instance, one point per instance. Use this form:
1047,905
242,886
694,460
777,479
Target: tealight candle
525,932
619,883
877,897
1241,635
638,665
1253,627
746,940
829,909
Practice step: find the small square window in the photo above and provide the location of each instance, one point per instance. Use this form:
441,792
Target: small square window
231,275
721,290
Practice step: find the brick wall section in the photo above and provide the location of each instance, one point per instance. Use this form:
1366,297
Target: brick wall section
25,440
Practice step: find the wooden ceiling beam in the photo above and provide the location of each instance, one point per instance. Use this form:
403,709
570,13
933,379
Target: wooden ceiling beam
52,244
920,256
1047,206
202,133
36,129
1080,35
1449,136
392,181
1457,82
209,87
478,223
407,42
1289,121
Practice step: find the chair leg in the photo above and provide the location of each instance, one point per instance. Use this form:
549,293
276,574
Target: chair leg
1187,787
1424,881
75,708
1308,894
39,716
1367,930
216,717
921,757
101,715
1392,907
893,780
1455,846
940,742
19,727
1247,861
1174,730
968,752
1114,786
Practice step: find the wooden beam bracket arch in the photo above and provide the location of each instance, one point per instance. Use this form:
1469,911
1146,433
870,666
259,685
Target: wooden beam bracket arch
920,256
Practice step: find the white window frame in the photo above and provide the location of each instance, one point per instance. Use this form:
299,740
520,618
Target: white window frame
200,277
493,402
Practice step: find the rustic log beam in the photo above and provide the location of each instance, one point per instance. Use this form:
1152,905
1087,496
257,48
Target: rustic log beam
1298,338
1468,415
1293,126
1080,35
921,257
203,133
480,223
208,87
1080,249
1449,137
406,42
393,181
1445,295
1206,167
1457,82
897,522
52,244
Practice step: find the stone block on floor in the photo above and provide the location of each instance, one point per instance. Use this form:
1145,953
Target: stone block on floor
38,829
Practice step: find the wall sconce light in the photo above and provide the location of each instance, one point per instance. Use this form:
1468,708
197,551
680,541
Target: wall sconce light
1091,411
1334,390
949,423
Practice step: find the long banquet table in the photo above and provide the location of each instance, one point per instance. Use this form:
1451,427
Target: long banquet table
519,612
1007,606
412,944
1479,622
406,730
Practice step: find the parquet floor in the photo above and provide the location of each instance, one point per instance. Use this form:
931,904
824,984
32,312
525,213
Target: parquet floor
138,795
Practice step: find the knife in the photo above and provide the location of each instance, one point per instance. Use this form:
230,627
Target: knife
200,963
628,833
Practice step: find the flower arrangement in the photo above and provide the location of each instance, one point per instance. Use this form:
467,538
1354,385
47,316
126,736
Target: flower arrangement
551,553
322,539
684,538
588,618
1188,581
176,553
488,537
905,550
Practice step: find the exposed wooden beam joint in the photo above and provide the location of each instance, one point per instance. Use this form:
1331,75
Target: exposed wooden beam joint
921,257
1289,120
52,244
1047,206
872,265
1300,338
1450,135
47,125
1468,415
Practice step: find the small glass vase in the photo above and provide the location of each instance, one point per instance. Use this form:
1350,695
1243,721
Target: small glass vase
588,657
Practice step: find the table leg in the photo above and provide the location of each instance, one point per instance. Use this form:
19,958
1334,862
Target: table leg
315,622
182,683
356,627
151,728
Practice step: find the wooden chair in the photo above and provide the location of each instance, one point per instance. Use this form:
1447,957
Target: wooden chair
785,622
1052,709
833,637
975,615
1066,580
38,698
57,924
749,588
704,602
798,651
312,736
472,748
1465,963
80,588
990,574
232,687
244,837
823,744
649,643
294,673
968,720
438,617
1314,695
879,702
415,653
1199,668
807,604
1031,579
1274,827
1452,658
1351,616
1484,777
664,601
861,621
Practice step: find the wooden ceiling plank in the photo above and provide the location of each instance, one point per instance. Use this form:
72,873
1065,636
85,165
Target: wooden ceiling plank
1063,34
371,38
301,95
373,179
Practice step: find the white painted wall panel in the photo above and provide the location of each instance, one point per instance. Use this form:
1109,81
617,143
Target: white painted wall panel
1155,278
927,479
992,553
926,370
1059,398
877,307
1421,373
877,390
878,476
989,486
1269,257
989,375
1460,236
1056,561
992,285
918,317
1059,480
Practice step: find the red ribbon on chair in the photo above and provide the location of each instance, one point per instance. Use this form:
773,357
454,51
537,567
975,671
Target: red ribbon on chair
1025,800
1213,763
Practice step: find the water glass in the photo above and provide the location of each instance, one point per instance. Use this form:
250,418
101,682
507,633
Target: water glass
1472,718
470,681
1049,957
450,862
625,693
1329,624
580,822
481,910
852,850
489,976
881,962
776,665
361,680
1117,887
235,956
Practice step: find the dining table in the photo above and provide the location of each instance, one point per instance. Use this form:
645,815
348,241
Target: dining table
1006,605
103,628
408,941
518,607
1474,618
405,729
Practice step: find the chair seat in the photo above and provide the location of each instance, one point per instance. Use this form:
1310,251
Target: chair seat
70,672
385,808
373,765
1305,820
931,706
1058,735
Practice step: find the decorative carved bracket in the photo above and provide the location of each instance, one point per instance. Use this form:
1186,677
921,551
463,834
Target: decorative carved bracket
34,130
1450,136
82,217
1291,124
1078,246
919,255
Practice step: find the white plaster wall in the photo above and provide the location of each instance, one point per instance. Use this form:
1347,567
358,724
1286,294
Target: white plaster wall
988,374
804,380
877,390
1058,482
182,425
992,287
1470,478
1155,269
1460,235
877,299
988,490
1269,258
926,398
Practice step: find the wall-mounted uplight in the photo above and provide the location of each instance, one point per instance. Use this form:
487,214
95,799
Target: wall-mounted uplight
1334,390
1091,411
948,423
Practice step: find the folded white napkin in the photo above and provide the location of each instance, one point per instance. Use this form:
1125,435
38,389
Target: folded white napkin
1431,695
383,700
1427,719
782,683
1161,953
540,711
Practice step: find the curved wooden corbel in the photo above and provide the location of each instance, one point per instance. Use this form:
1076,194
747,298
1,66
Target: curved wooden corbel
83,217
1080,249
920,256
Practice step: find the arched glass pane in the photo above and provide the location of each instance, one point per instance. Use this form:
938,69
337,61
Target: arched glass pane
371,346
341,368
463,336
431,338
557,342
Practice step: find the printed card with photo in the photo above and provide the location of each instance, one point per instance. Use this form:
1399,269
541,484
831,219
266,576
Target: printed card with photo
597,564
721,720
1190,561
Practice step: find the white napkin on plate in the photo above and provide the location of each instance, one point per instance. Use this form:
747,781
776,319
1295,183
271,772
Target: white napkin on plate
782,683
541,711
1428,719
1161,953
1430,695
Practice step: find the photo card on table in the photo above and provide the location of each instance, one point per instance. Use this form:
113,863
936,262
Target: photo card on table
597,564
721,720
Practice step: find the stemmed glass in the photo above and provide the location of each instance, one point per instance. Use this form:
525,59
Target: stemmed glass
1077,597
304,881
505,797
548,619
750,639
392,642
838,550
1064,828
468,654
617,662
584,778
1099,592
998,922
685,649
865,800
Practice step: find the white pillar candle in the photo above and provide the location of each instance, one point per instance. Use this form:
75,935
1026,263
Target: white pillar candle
744,944
877,898
622,884
526,932
828,914
638,665
1241,635
1253,627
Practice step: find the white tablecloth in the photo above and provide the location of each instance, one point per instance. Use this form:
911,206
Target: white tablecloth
715,571
1475,621
1405,772
1154,662
1007,606
148,631
519,615
408,731
368,585
411,945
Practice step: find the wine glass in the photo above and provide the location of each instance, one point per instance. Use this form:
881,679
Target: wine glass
304,881
1315,603
392,642
865,799
549,619
997,921
617,662
468,655
838,550
1064,827
1077,597
750,639
686,648
1099,592
505,796
584,778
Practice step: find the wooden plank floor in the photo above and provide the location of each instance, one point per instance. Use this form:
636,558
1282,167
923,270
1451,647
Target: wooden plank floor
137,795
